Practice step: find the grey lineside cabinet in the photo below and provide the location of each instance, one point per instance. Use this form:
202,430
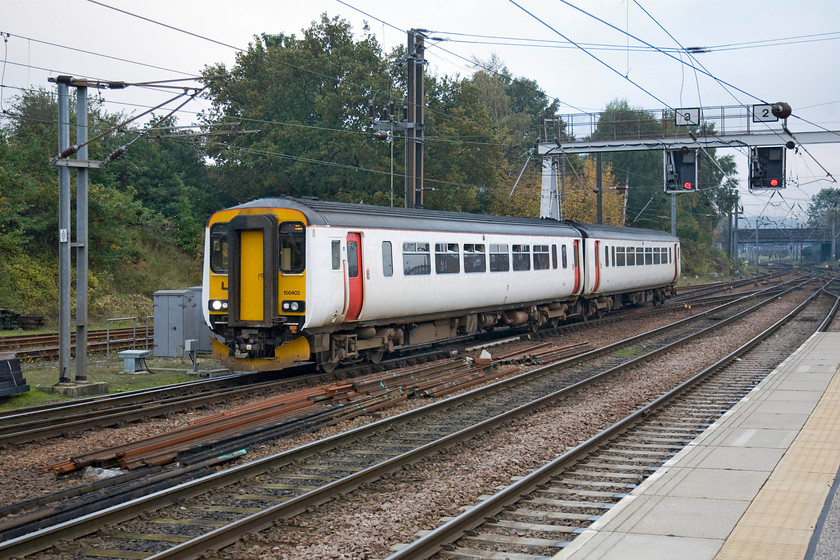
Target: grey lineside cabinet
177,318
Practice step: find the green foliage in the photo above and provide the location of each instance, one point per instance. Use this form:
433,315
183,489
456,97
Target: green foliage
29,283
824,209
291,118
308,97
153,193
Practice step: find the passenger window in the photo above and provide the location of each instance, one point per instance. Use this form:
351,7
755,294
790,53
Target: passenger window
352,259
416,259
648,255
387,259
336,254
541,258
618,256
292,247
613,256
563,258
640,256
521,257
631,256
657,256
606,256
554,256
474,258
447,258
219,248
499,259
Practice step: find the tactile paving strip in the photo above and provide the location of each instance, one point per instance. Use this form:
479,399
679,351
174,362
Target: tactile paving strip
780,521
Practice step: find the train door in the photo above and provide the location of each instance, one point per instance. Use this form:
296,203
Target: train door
355,290
251,275
597,267
576,264
252,295
676,262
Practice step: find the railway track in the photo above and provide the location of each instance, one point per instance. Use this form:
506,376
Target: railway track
256,494
541,513
44,347
31,424
51,420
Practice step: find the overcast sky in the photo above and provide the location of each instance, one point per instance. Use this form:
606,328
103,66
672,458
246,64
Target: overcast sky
769,50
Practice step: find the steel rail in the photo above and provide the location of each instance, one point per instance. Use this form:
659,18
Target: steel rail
436,540
45,538
127,408
228,534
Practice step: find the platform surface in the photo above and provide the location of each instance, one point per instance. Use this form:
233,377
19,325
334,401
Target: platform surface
759,483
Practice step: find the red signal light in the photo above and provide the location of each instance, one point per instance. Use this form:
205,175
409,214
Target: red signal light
774,182
687,184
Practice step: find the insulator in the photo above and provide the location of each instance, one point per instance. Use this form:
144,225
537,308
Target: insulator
69,151
381,134
116,153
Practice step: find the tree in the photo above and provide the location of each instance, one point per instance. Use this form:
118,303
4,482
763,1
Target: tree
824,213
640,171
463,155
514,106
309,99
166,173
579,201
120,225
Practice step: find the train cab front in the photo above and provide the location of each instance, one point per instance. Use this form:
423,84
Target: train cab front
257,289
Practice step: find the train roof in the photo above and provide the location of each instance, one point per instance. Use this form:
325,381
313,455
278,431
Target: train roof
342,214
602,231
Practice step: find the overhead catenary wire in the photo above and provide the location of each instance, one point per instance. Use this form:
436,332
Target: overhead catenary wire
122,149
336,164
75,147
531,42
93,53
352,131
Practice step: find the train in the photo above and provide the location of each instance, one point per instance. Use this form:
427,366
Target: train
292,280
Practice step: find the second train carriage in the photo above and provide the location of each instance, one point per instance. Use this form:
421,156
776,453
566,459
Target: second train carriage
289,280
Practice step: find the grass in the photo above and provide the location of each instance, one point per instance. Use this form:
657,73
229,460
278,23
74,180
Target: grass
627,352
165,372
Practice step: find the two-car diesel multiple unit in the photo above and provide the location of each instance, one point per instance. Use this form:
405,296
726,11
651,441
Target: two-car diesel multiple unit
291,280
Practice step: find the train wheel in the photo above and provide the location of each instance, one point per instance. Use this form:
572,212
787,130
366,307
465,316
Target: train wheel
322,359
375,356
327,367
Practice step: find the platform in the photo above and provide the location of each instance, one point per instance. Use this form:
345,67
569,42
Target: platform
761,482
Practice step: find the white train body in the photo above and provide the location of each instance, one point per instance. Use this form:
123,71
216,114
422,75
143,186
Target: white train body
289,280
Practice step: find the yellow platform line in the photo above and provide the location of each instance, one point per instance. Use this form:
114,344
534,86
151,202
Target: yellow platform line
780,521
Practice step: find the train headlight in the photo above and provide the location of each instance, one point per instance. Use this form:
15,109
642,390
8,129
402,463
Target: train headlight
218,304
293,306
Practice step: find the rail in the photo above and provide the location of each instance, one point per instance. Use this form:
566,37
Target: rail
540,385
467,523
108,332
